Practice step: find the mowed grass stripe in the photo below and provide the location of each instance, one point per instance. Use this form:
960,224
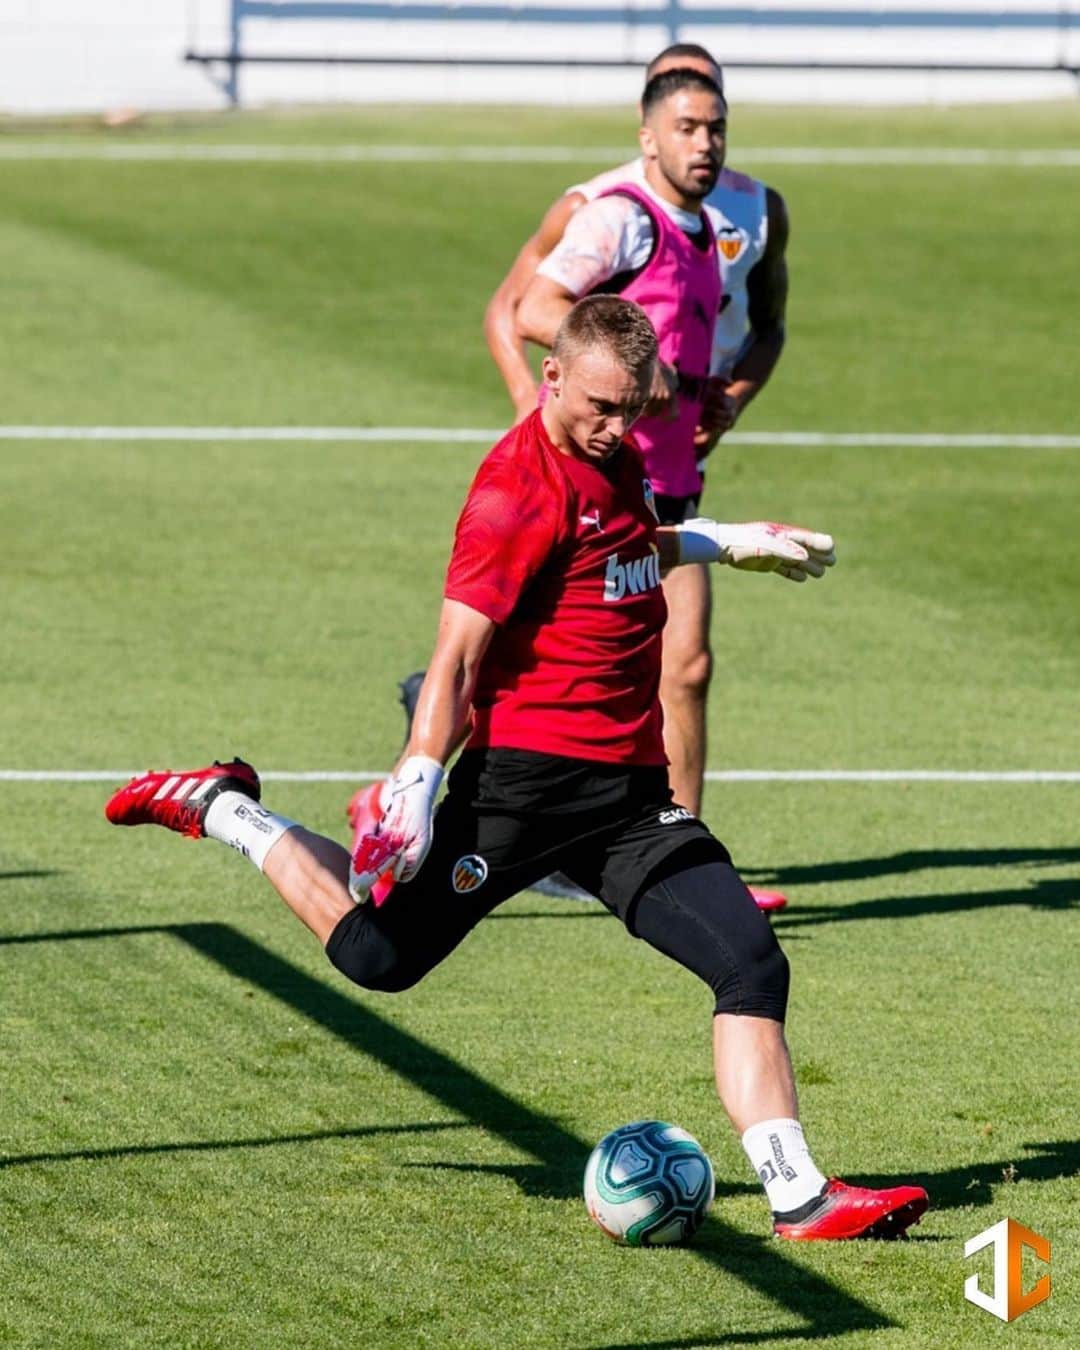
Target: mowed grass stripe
160,153
711,776
479,435
148,287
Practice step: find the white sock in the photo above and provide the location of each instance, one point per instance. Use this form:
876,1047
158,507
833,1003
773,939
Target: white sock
778,1154
236,820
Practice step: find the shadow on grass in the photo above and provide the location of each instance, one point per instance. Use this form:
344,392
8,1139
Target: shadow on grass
1044,895
225,1145
558,1156
955,1188
782,1334
958,1187
74,934
804,1292
914,860
520,1175
28,875
1041,893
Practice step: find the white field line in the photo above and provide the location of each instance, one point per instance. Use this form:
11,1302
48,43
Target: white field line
488,435
714,776
258,434
128,433
164,152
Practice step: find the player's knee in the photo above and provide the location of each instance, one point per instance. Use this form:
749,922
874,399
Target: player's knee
367,956
702,915
758,987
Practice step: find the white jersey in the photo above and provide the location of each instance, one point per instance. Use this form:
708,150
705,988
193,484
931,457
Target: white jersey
737,212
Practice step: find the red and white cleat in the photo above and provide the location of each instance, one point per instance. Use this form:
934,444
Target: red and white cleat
843,1211
768,900
364,813
179,800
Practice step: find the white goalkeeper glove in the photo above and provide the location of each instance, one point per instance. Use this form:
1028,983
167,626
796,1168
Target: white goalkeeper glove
760,546
402,838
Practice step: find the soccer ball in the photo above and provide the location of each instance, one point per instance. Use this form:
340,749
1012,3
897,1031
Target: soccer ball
648,1184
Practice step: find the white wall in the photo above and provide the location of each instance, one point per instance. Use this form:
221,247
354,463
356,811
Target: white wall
90,55
95,55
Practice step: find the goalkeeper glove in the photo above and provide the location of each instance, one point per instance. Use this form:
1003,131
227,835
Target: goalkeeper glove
760,546
402,838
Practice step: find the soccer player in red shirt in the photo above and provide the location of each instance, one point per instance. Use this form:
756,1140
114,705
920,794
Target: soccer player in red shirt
548,660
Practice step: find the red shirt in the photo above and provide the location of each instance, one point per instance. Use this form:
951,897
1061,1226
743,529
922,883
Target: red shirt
561,554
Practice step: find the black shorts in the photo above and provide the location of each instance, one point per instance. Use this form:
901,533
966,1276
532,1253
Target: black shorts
674,510
511,817
521,815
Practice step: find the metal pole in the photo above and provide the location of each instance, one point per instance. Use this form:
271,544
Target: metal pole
232,80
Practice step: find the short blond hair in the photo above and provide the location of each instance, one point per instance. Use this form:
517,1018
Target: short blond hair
612,324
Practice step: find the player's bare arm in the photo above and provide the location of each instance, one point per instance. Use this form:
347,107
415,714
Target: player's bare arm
500,318
442,710
542,308
403,837
767,293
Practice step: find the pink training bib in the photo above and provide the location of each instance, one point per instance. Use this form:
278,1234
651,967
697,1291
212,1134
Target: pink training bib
679,288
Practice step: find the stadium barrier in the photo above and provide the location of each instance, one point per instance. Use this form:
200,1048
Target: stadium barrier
1013,36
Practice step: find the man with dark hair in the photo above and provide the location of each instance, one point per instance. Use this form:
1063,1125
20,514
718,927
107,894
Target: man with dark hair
548,656
677,54
751,224
652,242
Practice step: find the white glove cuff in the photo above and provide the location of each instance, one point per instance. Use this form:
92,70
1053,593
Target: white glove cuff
701,541
428,771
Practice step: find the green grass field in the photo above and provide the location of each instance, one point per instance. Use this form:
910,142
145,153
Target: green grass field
206,1136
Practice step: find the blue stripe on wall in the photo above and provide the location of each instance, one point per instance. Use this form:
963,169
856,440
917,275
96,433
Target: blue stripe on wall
667,15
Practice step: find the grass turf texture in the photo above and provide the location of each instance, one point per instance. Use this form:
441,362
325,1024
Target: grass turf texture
206,1137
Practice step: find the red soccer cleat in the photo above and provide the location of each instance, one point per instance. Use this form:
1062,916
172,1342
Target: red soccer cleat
179,800
768,900
843,1211
364,813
